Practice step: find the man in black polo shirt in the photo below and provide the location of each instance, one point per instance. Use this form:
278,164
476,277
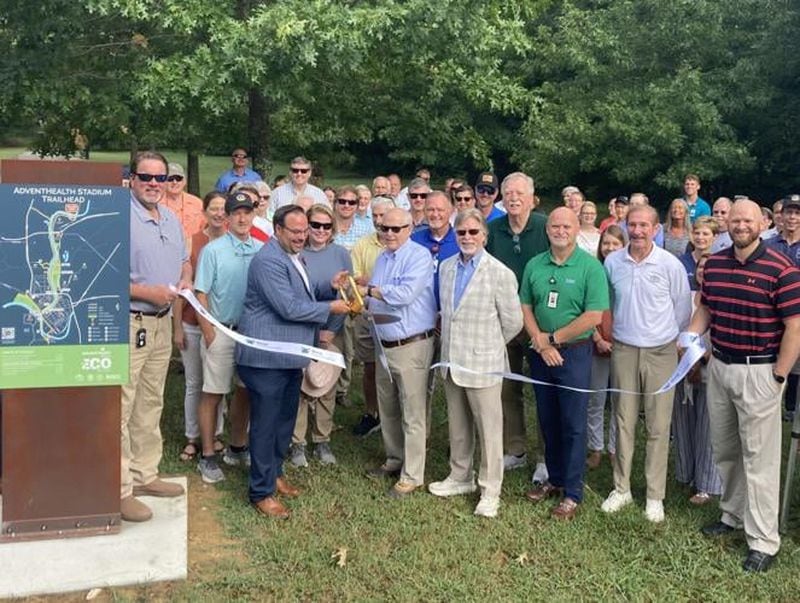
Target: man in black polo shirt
751,303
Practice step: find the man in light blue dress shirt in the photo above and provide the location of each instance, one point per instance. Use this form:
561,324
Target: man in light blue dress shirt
402,284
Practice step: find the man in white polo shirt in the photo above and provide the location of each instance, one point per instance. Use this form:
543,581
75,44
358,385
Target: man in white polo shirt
652,305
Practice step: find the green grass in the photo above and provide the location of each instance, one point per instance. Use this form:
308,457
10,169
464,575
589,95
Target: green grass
429,548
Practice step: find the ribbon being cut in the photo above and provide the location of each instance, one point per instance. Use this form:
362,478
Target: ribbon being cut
693,346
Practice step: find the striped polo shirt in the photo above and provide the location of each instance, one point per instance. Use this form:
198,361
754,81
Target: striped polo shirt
748,301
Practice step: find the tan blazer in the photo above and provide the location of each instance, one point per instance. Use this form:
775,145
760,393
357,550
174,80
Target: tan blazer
475,334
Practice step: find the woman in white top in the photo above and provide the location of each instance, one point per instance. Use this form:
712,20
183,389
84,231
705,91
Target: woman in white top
589,234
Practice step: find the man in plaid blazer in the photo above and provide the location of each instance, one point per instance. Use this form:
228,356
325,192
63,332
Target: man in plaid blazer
481,313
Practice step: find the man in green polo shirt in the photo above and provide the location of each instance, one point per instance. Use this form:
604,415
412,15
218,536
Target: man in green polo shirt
564,292
514,239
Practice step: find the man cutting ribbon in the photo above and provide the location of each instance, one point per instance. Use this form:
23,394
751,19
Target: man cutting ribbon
280,304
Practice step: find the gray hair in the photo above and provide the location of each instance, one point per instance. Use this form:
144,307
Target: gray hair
649,209
380,200
472,213
418,183
521,176
568,190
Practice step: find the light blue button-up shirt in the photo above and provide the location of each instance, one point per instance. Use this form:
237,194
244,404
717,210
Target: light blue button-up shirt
405,278
222,275
464,273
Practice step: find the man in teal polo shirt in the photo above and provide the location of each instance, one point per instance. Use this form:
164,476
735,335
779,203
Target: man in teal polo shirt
220,285
514,239
564,292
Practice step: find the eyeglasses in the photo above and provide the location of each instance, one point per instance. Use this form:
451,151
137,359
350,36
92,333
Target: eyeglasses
434,250
417,195
239,156
485,190
320,225
394,229
175,178
517,247
300,170
473,232
347,201
148,177
463,199
265,197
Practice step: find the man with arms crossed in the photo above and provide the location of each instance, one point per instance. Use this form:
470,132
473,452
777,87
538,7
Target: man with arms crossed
750,301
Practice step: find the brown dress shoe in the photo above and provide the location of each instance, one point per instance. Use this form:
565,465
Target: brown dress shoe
542,491
131,509
158,487
565,510
284,488
593,459
271,507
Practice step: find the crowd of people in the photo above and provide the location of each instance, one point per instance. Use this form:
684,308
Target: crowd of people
474,280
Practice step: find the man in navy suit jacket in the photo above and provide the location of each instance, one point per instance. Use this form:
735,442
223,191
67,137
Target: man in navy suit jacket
279,305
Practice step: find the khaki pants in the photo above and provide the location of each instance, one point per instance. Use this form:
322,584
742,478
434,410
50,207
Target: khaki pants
643,370
469,408
402,404
143,401
744,405
515,439
346,343
322,418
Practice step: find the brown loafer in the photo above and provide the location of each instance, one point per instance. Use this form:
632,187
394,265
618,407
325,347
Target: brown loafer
284,488
565,510
271,507
158,487
542,491
131,509
401,489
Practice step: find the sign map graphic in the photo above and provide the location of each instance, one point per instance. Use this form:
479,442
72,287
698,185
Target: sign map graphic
64,282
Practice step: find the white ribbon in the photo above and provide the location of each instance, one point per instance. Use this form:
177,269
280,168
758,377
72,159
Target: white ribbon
278,347
692,353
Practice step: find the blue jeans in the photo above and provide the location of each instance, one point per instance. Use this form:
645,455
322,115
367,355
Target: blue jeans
274,396
563,416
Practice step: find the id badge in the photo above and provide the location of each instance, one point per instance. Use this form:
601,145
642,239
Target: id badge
552,299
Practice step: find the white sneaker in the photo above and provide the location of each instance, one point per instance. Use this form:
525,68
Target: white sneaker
540,475
511,461
654,511
487,507
615,501
451,487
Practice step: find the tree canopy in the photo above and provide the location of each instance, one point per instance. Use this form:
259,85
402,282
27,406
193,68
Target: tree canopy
612,95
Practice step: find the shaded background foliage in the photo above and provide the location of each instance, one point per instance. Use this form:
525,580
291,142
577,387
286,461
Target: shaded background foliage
612,95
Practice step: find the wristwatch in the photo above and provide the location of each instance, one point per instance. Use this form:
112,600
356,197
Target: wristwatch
778,378
551,339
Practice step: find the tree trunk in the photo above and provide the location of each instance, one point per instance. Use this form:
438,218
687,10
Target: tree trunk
258,133
193,173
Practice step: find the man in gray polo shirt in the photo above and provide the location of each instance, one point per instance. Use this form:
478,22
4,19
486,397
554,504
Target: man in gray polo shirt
158,260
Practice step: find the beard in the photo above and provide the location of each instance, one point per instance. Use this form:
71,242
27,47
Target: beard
742,241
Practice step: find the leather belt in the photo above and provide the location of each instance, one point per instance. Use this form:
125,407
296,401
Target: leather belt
573,344
407,340
728,359
159,314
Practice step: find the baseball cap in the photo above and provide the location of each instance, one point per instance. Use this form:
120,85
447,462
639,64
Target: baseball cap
236,201
791,201
487,179
621,200
176,169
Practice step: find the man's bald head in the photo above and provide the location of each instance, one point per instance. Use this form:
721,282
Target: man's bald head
744,223
563,213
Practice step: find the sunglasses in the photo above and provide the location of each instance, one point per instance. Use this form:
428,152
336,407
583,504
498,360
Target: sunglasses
300,170
417,195
320,225
174,178
347,201
149,177
473,232
394,229
517,246
485,190
239,156
463,199
265,197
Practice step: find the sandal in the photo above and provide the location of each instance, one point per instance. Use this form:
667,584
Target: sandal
700,498
219,446
189,452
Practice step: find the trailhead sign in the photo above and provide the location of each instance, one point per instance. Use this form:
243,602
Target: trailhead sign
64,285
